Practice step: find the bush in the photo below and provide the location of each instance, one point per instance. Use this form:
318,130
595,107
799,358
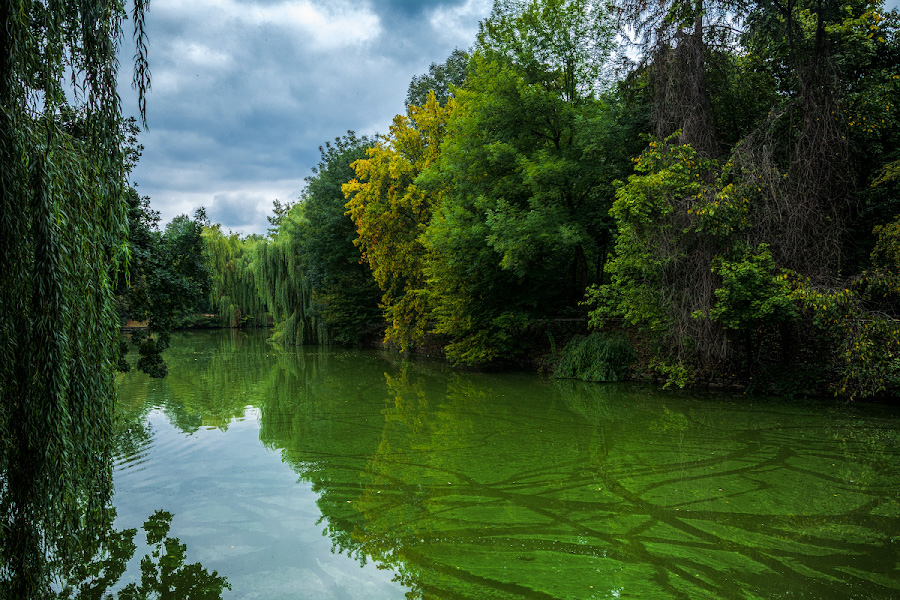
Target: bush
596,357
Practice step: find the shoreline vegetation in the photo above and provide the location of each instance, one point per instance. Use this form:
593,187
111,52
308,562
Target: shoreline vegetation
726,211
720,202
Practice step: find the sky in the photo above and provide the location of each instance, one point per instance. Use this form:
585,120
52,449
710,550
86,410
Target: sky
243,92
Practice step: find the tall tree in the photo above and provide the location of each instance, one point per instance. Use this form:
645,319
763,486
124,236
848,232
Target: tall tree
344,292
391,212
525,174
834,92
674,37
62,229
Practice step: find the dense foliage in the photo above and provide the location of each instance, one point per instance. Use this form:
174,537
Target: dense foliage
730,201
63,226
729,205
166,279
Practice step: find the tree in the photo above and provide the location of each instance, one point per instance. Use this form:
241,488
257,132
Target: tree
282,282
167,279
671,223
524,175
62,233
440,79
280,210
675,37
233,290
344,292
390,213
560,44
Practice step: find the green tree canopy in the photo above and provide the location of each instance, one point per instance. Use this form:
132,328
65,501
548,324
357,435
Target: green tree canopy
391,212
440,79
525,174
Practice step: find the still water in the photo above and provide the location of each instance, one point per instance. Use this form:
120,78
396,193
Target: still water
335,473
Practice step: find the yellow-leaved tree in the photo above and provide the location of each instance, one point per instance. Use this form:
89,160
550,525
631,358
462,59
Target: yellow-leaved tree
391,212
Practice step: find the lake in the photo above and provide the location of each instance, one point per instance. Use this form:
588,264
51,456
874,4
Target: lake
341,473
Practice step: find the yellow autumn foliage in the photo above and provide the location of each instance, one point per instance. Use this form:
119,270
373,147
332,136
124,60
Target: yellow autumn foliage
390,213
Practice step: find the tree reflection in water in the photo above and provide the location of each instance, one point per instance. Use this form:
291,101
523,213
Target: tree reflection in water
471,485
164,572
594,492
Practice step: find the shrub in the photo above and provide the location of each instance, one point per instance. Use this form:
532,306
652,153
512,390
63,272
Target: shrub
596,357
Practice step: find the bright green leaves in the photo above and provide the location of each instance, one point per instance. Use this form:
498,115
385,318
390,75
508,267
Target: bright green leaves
479,215
752,294
674,216
522,219
560,44
657,213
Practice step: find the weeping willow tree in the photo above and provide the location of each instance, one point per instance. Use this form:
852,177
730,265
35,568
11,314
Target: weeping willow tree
233,293
62,230
283,283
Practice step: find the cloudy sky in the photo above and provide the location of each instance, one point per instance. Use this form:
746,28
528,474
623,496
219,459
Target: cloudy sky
245,91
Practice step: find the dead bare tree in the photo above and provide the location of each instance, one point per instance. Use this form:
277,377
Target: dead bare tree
672,36
798,158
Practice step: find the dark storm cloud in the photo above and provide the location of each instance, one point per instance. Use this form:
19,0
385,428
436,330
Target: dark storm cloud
244,93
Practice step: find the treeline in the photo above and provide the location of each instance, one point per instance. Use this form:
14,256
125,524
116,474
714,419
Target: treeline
730,202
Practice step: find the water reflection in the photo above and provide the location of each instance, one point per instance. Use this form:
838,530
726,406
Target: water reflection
164,572
476,485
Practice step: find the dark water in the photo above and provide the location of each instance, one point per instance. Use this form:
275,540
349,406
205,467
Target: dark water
334,473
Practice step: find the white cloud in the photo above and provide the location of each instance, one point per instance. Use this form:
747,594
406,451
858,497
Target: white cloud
200,55
340,24
459,22
239,206
324,27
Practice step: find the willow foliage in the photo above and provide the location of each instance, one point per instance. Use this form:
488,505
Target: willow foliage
62,226
233,293
283,284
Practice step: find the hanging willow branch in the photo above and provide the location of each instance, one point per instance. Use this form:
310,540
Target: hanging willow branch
62,231
233,290
282,283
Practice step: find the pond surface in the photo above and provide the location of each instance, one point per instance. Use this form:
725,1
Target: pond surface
335,473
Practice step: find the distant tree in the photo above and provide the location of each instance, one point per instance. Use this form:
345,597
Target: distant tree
440,79
279,212
167,279
282,282
233,291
